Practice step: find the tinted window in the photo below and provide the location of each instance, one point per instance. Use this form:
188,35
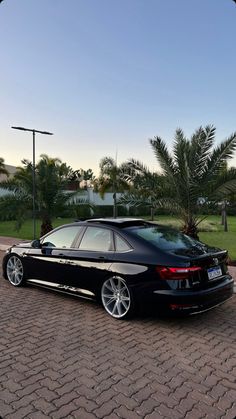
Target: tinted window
120,244
164,238
97,239
61,238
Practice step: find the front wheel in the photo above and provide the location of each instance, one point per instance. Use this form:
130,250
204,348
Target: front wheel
117,298
15,271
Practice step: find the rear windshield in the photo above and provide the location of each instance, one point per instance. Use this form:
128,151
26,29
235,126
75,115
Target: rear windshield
164,238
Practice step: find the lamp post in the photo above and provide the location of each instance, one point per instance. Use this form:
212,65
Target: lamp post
33,169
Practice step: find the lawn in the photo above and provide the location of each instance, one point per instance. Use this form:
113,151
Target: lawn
7,228
211,230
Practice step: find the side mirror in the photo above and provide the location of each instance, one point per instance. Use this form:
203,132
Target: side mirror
36,244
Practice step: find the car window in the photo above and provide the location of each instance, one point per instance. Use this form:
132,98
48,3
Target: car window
97,239
62,238
120,244
164,238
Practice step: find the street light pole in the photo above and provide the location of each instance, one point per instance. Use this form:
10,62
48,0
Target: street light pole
33,171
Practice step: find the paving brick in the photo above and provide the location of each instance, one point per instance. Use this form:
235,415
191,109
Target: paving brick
127,402
67,388
24,401
203,398
47,394
36,415
105,396
12,385
146,407
143,394
124,413
163,411
83,414
43,406
7,396
20,413
65,399
217,391
112,416
88,405
6,409
90,394
106,409
64,411
166,399
231,413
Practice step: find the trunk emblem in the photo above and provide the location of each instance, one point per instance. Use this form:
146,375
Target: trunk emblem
216,261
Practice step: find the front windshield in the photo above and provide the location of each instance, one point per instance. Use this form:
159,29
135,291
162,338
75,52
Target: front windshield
165,238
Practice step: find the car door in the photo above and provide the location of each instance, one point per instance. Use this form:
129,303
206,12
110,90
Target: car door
51,259
90,264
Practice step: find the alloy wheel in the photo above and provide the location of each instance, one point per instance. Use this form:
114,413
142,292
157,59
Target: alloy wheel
15,272
116,297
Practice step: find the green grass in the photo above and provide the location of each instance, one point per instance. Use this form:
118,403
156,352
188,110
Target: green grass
7,228
211,230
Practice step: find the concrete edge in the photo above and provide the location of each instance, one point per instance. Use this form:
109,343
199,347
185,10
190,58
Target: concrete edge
4,247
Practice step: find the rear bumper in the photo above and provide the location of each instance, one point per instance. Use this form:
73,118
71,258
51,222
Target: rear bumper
192,301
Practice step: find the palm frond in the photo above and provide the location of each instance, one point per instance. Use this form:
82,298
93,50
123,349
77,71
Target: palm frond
200,150
219,156
163,156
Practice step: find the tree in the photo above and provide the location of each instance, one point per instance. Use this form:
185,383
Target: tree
3,170
145,186
193,174
51,178
112,178
82,176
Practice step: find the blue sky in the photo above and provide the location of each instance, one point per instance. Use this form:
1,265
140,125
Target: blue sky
106,75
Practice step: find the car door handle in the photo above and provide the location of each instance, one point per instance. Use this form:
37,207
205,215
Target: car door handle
102,258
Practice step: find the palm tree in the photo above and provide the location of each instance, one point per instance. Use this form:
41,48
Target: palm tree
51,177
3,170
81,175
112,178
193,174
145,186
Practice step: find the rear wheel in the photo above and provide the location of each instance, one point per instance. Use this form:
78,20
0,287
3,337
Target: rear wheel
15,271
117,298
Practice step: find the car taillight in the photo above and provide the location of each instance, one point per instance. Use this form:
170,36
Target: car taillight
176,273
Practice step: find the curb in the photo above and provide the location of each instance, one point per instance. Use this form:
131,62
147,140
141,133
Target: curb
4,247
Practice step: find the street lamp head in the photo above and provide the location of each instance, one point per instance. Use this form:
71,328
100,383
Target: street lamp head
21,128
33,130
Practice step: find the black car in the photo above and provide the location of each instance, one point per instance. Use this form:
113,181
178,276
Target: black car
124,264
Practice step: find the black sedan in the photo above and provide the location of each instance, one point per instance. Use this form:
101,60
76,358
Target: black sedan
125,264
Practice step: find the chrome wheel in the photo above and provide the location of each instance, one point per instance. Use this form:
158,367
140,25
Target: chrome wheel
116,297
14,270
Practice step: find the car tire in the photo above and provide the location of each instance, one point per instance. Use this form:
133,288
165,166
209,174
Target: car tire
117,298
15,271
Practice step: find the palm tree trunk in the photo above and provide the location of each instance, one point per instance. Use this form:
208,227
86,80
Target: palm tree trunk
224,216
190,229
46,226
114,206
152,214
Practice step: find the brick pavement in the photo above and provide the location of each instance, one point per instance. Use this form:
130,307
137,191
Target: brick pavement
63,357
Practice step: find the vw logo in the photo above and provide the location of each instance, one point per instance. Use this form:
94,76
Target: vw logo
215,261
